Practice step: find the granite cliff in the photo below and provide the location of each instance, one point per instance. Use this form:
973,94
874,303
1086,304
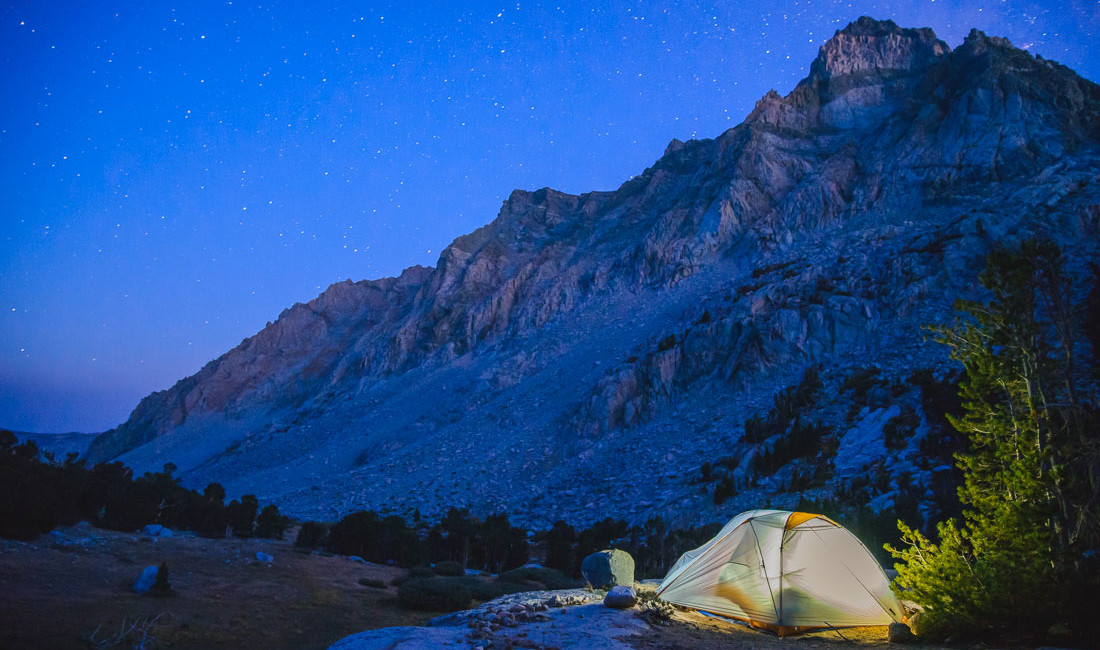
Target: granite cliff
583,355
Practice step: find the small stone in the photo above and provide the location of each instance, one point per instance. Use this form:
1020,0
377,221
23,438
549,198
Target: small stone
156,530
145,581
900,633
621,597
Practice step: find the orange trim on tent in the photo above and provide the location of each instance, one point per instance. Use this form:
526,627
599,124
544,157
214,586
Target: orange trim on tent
798,518
778,630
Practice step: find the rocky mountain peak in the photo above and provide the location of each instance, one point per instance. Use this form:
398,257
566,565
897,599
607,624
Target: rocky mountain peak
868,45
615,342
979,42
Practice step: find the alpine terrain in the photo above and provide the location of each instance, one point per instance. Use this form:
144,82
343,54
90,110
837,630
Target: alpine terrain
746,316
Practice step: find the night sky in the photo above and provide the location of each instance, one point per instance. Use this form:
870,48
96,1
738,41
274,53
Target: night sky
174,176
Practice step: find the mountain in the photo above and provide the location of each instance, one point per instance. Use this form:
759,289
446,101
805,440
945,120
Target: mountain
583,356
58,444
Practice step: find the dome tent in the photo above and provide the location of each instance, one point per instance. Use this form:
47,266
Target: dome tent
788,572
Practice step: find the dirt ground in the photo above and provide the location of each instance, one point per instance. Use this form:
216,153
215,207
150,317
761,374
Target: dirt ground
63,588
694,631
59,589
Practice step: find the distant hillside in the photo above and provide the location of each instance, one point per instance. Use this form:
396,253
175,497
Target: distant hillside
620,353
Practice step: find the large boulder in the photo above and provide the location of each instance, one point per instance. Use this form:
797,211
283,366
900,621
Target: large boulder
605,569
621,597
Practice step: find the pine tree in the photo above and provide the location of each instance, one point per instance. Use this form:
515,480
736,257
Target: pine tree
1029,489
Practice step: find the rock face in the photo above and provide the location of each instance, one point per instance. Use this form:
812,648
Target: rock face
613,342
606,569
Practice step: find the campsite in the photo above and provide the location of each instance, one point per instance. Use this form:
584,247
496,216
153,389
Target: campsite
556,326
225,598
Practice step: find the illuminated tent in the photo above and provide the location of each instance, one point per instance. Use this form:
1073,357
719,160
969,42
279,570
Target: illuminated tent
787,572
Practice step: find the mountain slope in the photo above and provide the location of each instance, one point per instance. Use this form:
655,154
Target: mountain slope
580,348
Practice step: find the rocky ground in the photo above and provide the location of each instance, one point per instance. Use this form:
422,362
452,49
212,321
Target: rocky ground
577,620
72,588
64,586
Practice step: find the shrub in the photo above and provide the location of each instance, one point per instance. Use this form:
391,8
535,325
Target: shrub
559,546
270,524
242,516
162,586
549,578
449,568
421,572
373,582
434,595
483,590
355,534
707,472
311,535
724,490
654,610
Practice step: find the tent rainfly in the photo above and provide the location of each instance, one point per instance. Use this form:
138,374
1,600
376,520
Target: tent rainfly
788,572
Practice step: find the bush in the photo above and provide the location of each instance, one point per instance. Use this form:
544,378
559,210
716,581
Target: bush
162,586
484,590
654,610
724,490
270,524
311,535
355,534
373,582
421,572
449,568
548,578
559,546
434,595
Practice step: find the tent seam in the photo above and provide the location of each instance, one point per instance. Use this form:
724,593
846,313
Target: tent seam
764,567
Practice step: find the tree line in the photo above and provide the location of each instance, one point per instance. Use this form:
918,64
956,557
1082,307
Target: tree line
41,493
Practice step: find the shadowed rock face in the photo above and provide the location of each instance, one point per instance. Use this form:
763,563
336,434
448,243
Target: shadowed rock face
611,342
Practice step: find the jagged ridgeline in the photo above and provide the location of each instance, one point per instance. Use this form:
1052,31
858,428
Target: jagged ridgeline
584,356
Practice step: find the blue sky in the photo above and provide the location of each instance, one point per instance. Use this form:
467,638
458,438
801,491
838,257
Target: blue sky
174,176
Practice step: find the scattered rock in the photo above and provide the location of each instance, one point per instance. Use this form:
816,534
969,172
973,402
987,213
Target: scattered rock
156,531
264,557
621,597
146,580
900,633
605,569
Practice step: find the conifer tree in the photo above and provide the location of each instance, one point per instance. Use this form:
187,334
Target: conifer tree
1029,489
